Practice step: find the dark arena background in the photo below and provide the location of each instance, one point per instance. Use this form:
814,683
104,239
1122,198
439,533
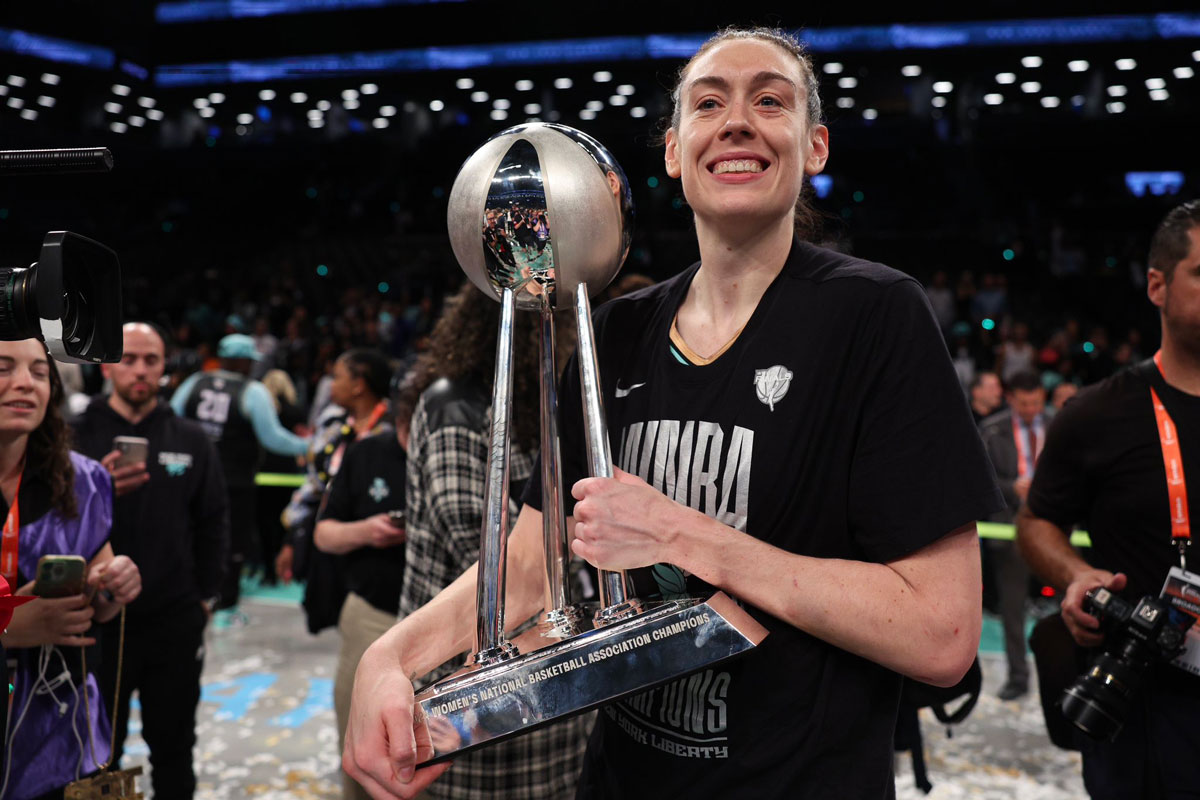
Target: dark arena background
282,167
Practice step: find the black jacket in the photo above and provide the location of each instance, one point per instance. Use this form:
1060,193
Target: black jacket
176,527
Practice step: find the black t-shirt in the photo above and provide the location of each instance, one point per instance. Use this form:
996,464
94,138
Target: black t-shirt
371,481
833,427
1102,468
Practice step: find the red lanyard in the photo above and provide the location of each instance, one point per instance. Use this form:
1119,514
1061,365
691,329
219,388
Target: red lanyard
1168,436
9,541
376,414
1025,459
335,460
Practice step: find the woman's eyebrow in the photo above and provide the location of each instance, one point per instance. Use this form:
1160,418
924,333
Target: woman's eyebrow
766,76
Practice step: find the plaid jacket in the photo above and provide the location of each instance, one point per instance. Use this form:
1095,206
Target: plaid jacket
447,467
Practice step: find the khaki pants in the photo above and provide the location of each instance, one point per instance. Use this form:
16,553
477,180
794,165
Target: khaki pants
359,624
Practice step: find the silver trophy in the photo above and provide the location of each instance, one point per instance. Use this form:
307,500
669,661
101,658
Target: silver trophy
540,217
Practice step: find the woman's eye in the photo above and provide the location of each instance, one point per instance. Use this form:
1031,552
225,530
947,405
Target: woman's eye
769,101
707,105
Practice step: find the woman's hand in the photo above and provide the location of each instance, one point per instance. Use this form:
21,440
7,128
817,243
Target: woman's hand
386,737
50,620
118,576
379,531
624,523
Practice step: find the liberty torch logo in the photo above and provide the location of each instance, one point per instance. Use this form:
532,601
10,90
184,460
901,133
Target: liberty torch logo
772,384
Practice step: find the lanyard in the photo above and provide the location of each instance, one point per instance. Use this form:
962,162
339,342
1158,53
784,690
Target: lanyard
335,447
1168,437
376,414
1025,459
9,541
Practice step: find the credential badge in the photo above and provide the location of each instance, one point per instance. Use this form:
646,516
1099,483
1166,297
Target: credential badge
772,384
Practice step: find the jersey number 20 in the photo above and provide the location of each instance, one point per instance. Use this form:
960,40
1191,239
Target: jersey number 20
214,406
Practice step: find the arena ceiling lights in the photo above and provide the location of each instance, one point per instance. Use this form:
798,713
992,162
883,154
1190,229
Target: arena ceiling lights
932,36
878,72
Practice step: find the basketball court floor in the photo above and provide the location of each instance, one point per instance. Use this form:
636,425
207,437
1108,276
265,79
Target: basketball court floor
266,727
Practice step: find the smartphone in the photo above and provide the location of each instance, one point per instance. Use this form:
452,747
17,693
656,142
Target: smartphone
134,449
60,576
397,517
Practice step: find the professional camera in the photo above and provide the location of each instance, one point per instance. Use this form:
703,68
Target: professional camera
70,298
1135,637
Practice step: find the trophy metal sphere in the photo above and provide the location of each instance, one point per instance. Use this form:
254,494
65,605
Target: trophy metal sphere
545,187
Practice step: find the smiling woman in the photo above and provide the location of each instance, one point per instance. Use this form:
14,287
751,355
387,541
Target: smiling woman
56,503
799,440
791,87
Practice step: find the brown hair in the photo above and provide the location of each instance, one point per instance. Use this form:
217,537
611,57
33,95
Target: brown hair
48,452
1171,244
463,344
808,221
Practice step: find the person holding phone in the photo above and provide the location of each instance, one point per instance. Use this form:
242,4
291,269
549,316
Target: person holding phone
55,503
356,524
171,516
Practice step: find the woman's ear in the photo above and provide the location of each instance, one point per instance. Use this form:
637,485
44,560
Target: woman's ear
671,154
819,152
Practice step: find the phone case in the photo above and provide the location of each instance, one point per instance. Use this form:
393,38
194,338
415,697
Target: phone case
60,576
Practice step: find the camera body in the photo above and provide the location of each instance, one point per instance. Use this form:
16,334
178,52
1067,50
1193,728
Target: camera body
1136,636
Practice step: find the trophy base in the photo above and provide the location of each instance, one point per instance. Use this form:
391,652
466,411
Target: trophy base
561,623
483,704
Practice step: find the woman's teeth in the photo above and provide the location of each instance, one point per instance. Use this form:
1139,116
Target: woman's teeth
737,166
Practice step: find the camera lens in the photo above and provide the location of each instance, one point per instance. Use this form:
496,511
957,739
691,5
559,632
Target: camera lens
18,304
1098,702
77,316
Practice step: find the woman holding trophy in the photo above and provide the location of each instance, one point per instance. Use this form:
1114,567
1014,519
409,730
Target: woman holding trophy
789,430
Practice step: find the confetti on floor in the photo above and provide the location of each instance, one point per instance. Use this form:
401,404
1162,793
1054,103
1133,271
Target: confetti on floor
266,729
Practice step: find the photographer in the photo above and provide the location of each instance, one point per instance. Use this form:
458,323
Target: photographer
1103,465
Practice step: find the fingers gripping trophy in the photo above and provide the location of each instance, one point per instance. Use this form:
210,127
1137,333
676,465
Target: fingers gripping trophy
540,218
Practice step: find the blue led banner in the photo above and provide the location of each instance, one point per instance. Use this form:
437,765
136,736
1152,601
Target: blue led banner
51,49
634,48
206,10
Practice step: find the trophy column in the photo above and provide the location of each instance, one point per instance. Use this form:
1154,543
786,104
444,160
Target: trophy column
561,619
490,644
616,601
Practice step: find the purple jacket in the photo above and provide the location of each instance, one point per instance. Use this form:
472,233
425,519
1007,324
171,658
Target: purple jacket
46,725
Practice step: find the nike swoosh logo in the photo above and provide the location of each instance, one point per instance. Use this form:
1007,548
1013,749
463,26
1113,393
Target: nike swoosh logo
625,392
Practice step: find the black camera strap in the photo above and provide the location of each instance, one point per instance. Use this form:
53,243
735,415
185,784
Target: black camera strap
1168,437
